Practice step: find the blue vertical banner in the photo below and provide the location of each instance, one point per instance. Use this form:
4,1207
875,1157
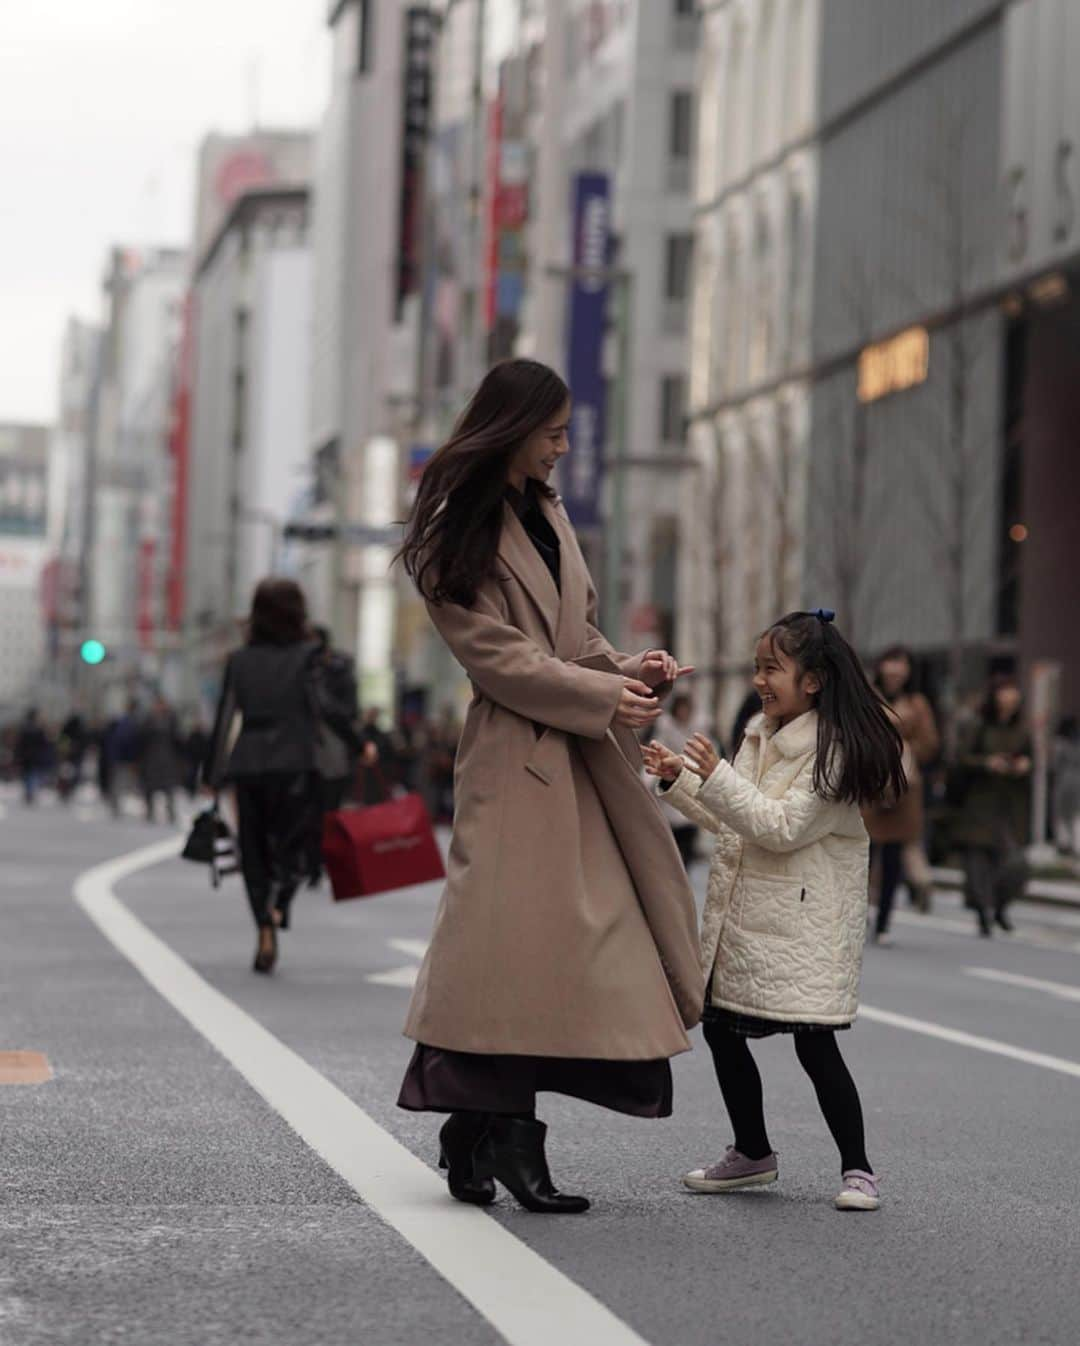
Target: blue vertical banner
583,472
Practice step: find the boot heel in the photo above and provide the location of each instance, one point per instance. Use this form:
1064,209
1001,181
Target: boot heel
443,1162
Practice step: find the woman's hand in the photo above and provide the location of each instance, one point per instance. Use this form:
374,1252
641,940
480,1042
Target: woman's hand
657,666
662,762
637,706
701,757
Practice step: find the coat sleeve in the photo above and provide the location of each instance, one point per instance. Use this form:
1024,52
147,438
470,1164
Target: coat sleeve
801,817
926,740
513,671
597,643
217,750
685,795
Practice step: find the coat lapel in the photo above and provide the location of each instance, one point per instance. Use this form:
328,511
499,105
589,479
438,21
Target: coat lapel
520,556
570,629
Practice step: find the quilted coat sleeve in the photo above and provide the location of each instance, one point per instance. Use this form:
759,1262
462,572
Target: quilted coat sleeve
685,795
513,671
799,818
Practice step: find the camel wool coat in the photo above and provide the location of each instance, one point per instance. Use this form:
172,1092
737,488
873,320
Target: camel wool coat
567,926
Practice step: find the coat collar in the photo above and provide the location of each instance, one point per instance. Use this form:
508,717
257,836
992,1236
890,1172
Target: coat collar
795,739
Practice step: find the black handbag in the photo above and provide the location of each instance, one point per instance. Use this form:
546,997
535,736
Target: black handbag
210,842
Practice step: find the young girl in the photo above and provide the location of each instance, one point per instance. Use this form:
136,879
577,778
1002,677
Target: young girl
785,916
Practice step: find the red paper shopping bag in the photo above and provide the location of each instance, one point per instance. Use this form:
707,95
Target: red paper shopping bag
380,847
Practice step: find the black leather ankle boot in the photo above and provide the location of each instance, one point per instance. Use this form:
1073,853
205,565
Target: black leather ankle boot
457,1141
512,1150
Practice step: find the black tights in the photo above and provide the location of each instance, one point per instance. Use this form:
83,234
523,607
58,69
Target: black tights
819,1056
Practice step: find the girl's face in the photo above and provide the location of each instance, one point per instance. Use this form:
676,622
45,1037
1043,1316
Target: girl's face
894,675
540,453
786,693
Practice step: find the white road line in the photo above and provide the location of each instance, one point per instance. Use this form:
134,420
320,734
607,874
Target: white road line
527,1300
415,948
1055,988
404,977
932,1030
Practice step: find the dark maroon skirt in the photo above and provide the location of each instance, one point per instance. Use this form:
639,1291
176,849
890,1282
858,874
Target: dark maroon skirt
438,1080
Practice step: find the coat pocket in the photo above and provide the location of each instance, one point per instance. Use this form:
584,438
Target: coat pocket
770,904
547,757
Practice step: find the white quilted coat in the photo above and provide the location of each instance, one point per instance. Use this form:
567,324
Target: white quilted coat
785,915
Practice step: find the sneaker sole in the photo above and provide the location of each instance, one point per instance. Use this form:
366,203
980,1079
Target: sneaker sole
729,1184
856,1201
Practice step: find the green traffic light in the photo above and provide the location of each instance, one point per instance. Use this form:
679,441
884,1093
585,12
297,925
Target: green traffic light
92,652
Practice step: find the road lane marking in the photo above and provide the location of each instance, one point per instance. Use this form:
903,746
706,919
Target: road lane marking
1055,988
404,977
526,1299
962,1039
24,1068
415,948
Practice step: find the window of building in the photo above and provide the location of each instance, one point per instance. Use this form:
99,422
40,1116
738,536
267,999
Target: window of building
672,409
763,76
678,255
680,140
365,46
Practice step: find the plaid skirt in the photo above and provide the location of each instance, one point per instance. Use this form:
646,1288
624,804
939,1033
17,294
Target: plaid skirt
751,1026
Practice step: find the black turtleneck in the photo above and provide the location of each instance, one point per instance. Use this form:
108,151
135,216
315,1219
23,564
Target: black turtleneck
526,505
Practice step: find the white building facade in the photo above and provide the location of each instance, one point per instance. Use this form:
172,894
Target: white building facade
249,466
743,537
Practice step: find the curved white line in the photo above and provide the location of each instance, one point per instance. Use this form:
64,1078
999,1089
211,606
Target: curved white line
527,1300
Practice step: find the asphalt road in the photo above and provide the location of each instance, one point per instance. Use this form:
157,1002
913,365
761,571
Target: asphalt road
149,1194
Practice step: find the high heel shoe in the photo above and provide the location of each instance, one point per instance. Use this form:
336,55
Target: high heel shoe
266,951
457,1140
512,1150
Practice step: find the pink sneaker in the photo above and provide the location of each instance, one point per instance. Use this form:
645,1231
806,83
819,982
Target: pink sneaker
860,1191
732,1172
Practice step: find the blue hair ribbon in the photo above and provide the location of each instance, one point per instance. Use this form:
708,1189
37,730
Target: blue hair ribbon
823,614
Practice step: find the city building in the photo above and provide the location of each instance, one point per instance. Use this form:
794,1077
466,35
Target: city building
368,239
24,491
240,448
884,332
124,535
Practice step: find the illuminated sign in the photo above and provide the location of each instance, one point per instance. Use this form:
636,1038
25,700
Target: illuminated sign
893,365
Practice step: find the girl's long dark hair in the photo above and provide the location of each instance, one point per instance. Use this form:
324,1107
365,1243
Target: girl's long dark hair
452,533
859,748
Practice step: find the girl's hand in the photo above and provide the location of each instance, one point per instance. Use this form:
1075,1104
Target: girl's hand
662,762
701,757
657,666
637,706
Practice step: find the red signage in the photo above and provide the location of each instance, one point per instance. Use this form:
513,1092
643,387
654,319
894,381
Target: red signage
179,453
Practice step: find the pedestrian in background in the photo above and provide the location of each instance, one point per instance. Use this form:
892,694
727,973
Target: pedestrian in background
272,763
896,825
340,741
1067,786
74,742
32,754
674,727
785,915
564,955
120,748
160,758
195,743
994,817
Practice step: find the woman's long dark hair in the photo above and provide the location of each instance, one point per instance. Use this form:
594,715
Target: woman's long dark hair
859,748
989,709
278,613
452,533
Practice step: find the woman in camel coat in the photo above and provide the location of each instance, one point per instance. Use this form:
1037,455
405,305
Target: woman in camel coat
564,955
896,829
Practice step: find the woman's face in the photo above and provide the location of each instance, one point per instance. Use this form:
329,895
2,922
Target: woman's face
540,453
894,675
1007,701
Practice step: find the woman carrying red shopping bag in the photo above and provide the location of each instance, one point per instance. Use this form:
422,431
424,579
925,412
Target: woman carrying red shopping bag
564,955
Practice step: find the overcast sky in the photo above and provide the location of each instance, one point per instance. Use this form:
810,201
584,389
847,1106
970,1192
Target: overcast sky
102,106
